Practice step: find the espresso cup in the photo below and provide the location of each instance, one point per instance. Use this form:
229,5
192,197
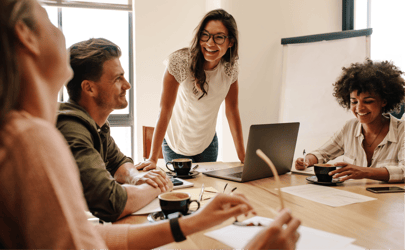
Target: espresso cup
180,166
322,172
176,202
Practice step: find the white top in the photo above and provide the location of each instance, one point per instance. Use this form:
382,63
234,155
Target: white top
349,140
192,125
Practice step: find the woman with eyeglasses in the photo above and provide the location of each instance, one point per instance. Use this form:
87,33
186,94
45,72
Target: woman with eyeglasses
196,81
42,197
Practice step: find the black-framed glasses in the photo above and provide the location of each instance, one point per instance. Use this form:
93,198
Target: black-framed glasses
218,39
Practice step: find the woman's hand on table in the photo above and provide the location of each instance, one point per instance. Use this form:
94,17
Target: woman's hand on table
349,171
146,165
276,236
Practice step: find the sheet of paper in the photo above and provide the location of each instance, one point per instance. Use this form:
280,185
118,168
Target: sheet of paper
326,195
307,171
194,192
237,237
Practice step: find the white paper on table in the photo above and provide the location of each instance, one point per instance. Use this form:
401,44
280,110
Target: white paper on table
307,171
152,207
326,195
237,237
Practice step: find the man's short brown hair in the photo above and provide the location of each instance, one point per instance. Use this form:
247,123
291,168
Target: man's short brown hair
87,59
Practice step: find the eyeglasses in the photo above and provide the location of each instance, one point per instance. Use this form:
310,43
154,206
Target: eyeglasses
218,39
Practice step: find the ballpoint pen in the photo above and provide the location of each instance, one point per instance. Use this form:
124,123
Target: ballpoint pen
305,154
201,193
225,187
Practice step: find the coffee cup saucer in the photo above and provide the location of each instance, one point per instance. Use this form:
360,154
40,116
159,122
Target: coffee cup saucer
157,216
314,180
191,174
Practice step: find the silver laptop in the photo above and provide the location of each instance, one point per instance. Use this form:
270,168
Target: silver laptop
277,141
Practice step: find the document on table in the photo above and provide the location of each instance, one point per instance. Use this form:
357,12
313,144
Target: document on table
326,195
237,237
154,206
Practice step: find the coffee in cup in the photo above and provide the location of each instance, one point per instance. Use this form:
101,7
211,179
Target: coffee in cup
322,172
180,166
176,202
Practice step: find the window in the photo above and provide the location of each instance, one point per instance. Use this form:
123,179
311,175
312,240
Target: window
386,20
110,19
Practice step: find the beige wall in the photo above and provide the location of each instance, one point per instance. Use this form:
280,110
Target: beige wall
162,26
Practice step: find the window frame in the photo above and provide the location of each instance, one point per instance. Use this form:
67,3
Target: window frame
115,120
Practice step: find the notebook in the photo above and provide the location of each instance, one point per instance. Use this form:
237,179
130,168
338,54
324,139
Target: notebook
277,141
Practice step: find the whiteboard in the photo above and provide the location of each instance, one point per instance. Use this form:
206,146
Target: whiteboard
309,71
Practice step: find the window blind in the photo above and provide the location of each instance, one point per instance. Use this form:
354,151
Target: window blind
125,5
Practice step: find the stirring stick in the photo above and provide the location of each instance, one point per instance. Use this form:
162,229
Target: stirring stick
273,169
201,193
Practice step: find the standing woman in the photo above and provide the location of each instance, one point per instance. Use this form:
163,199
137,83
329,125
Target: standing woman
196,81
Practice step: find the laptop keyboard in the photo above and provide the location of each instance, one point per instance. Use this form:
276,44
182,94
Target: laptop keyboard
237,175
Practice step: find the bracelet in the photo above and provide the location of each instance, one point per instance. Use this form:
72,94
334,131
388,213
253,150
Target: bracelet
176,230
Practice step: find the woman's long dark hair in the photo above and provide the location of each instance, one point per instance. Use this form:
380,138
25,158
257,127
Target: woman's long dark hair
197,57
11,11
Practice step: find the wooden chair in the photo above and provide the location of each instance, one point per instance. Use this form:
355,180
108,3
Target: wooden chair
147,135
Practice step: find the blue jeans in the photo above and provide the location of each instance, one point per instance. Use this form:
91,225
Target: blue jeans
210,154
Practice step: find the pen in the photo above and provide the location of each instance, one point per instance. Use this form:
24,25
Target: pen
305,154
195,167
201,193
225,187
236,217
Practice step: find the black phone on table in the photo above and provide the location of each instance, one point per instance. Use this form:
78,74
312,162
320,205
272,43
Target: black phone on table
176,182
393,189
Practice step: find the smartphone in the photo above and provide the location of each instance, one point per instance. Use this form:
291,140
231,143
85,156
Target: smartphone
177,182
392,189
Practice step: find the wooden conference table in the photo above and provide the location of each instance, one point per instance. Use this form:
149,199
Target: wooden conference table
376,224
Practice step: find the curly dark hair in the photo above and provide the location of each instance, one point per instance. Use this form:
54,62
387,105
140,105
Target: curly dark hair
380,78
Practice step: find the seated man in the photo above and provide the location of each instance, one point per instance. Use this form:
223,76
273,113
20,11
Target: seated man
97,88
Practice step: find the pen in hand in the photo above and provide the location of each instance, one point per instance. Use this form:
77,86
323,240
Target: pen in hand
305,154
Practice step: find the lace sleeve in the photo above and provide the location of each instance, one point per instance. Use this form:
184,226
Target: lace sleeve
177,64
232,71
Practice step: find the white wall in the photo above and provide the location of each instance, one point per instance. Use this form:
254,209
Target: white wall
162,26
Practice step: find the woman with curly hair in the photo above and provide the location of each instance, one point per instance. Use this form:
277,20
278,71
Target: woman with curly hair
41,193
197,80
373,143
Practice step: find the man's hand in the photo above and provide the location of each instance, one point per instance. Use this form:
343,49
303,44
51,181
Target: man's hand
146,165
157,179
276,236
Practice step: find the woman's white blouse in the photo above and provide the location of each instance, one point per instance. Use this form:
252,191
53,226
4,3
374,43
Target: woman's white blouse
348,142
193,122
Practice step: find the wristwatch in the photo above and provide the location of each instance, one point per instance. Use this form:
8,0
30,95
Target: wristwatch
175,227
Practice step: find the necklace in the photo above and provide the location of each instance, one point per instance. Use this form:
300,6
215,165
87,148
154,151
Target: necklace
369,145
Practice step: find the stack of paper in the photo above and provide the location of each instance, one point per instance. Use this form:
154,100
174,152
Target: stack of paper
326,195
237,237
